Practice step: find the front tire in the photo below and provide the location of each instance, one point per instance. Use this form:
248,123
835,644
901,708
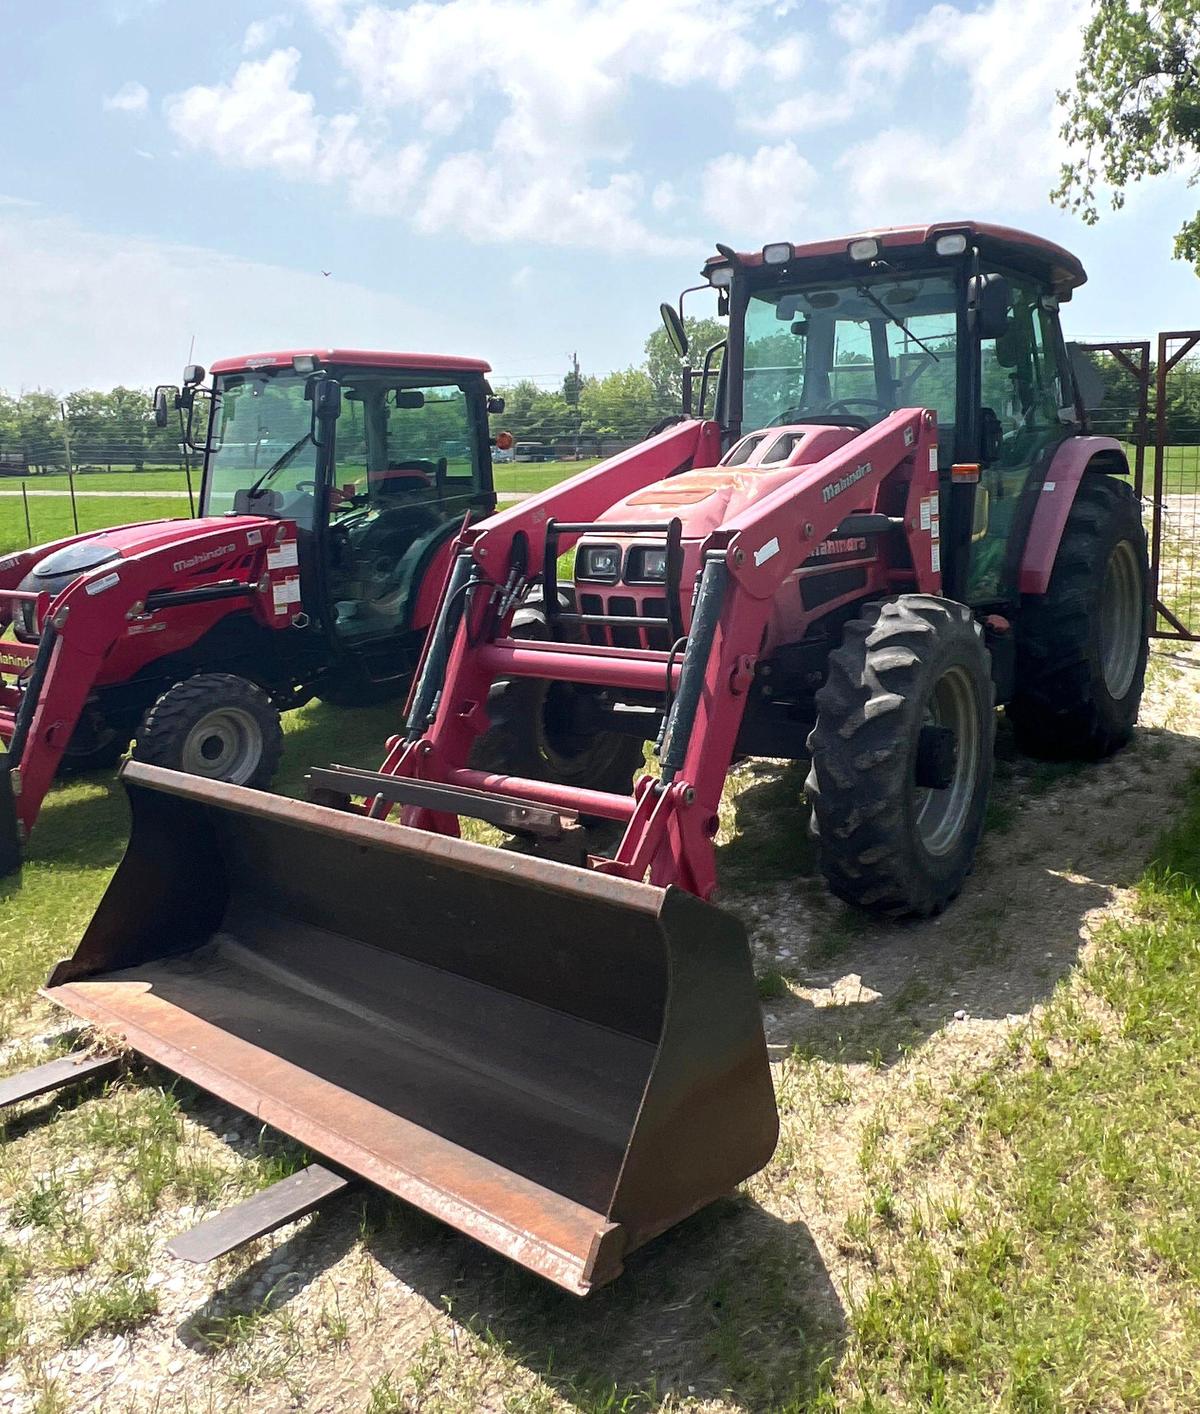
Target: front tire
1082,646
215,725
902,755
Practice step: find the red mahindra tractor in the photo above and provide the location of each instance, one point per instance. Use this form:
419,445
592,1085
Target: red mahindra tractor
332,484
895,521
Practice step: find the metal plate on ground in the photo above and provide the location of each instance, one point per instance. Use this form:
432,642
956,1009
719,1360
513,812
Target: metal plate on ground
55,1075
284,1202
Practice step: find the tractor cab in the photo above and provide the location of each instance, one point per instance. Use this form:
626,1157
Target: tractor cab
374,457
961,318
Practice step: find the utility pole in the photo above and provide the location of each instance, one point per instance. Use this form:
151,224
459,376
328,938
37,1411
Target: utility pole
575,390
66,436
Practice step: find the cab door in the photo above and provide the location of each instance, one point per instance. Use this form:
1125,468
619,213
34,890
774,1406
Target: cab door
1026,410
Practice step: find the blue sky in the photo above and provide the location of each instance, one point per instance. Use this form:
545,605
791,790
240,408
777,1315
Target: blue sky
513,180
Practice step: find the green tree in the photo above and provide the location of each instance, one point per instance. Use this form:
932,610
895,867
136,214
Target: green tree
39,426
662,362
1134,111
622,404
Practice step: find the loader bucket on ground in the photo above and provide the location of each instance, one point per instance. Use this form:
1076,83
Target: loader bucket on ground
559,1063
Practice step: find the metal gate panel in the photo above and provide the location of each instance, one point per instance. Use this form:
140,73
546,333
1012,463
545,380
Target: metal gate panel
1175,525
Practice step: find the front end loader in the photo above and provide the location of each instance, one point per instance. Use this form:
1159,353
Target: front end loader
895,523
333,483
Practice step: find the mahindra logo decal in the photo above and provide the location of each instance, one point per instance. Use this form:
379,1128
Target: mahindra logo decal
204,558
844,484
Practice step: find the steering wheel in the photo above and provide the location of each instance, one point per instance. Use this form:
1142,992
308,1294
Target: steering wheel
821,419
843,405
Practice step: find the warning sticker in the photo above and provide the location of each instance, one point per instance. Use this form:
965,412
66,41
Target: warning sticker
935,526
283,555
767,552
935,557
933,458
926,512
285,592
254,537
106,581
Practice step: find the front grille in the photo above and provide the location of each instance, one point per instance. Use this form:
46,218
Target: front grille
626,606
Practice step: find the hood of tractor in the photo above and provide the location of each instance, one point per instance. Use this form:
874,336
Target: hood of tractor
49,569
86,552
706,497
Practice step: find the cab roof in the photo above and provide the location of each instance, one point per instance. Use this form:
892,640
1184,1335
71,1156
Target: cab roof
361,358
1007,246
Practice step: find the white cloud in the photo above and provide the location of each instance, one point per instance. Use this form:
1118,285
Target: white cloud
999,148
767,191
664,196
543,86
132,97
793,116
260,33
67,288
260,120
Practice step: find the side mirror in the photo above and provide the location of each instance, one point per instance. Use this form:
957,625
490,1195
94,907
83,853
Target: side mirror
326,396
989,298
164,395
193,374
327,399
674,327
1089,381
495,406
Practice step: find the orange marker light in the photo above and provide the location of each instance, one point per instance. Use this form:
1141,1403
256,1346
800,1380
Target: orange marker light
964,472
504,440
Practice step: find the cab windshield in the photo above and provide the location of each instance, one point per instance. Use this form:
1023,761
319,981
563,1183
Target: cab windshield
859,347
401,438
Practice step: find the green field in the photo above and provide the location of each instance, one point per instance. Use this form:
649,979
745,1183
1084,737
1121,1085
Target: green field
50,516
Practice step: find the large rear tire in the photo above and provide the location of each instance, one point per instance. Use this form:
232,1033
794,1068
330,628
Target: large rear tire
902,755
1082,646
215,725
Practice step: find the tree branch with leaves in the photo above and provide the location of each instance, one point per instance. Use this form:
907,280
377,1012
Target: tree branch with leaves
1134,111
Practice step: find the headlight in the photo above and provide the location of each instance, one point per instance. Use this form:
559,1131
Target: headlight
601,562
647,564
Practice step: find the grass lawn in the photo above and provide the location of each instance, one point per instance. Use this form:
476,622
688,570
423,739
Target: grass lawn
1025,1236
1068,1277
50,517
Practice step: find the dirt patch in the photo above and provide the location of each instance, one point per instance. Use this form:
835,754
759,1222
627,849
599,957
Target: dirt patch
370,1305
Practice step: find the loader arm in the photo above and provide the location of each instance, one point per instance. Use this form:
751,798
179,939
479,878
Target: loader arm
79,628
670,822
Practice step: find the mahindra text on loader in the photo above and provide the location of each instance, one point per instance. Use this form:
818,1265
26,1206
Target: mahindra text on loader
332,485
895,521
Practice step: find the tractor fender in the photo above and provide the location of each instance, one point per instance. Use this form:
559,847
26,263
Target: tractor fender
1076,458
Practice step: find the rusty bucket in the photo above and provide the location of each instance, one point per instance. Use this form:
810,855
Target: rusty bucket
559,1064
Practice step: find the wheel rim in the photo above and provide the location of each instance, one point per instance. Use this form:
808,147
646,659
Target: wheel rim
1121,620
225,745
941,814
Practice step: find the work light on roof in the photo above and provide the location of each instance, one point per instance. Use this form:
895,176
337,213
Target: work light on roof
865,248
951,245
721,277
305,363
778,253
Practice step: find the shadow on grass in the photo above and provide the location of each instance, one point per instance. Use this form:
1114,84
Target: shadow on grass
999,949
